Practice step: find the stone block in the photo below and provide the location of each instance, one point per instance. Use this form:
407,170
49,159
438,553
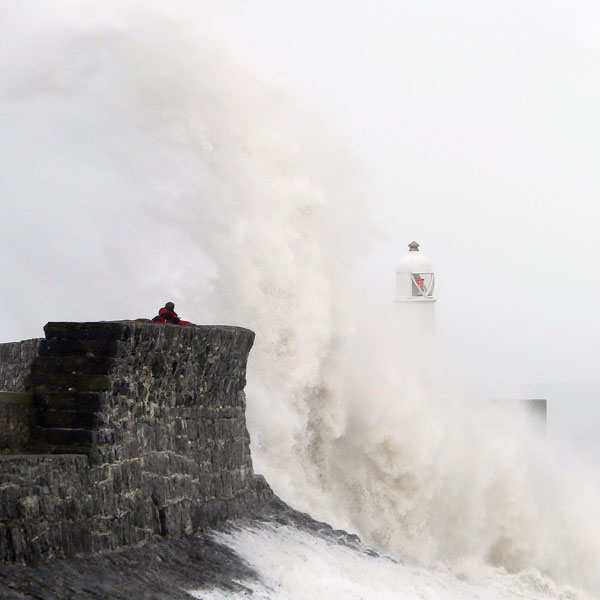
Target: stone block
9,496
207,514
100,542
18,542
175,518
28,507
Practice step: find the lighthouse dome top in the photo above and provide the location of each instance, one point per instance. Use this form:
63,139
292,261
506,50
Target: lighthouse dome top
415,261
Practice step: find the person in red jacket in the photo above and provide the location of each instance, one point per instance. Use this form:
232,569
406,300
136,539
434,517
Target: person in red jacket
167,314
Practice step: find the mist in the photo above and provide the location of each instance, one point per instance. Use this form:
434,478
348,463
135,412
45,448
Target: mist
147,156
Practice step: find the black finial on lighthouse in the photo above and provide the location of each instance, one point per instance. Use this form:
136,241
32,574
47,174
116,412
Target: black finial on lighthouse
413,247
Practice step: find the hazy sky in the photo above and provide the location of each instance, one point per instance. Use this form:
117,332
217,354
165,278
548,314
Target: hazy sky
478,123
478,127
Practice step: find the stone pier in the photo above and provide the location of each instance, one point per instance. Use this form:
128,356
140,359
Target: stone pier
112,433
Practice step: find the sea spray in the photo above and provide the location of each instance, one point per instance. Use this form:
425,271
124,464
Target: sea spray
165,166
292,564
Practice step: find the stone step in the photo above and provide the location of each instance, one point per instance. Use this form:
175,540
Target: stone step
77,401
58,347
20,398
69,364
100,330
42,382
64,438
71,419
56,450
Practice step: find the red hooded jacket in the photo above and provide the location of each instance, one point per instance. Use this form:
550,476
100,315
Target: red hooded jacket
169,316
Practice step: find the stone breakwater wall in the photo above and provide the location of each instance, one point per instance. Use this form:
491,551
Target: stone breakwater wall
138,430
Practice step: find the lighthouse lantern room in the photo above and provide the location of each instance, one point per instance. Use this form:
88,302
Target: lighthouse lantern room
415,279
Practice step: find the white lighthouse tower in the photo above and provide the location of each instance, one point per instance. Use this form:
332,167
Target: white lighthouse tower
415,315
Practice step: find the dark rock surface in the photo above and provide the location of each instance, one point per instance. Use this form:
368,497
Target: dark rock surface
162,569
159,570
278,512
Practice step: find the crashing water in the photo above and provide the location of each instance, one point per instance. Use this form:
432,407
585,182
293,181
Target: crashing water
296,565
163,164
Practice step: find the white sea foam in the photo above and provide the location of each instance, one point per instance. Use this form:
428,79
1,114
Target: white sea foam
295,565
165,166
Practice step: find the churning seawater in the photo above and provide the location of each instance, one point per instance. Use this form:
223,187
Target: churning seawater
147,160
296,565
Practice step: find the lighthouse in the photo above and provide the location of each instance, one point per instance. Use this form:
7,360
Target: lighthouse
415,279
414,309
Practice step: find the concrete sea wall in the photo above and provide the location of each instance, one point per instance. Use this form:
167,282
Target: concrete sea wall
130,431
